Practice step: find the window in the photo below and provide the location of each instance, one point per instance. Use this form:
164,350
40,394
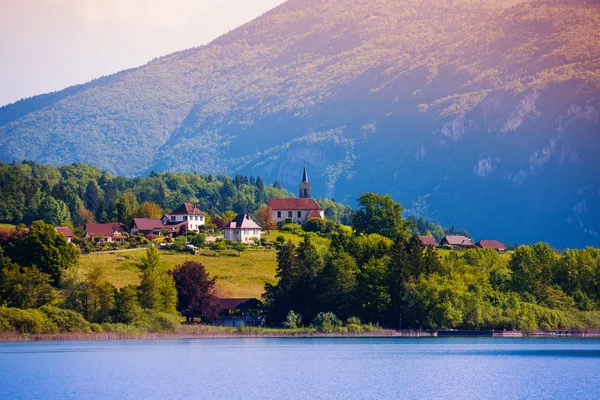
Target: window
185,218
173,218
290,215
278,214
299,214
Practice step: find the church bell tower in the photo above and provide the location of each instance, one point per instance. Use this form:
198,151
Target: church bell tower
305,186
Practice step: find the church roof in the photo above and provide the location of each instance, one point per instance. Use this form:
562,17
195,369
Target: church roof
294,204
305,175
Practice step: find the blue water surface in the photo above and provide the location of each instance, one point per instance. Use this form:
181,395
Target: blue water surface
303,368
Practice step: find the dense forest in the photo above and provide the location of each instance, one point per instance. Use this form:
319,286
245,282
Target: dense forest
383,275
76,194
451,100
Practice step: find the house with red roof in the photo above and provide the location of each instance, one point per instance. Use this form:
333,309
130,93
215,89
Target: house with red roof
186,214
492,244
111,232
457,242
242,229
428,241
66,232
297,209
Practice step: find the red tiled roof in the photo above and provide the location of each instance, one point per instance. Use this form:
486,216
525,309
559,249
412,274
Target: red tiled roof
147,224
294,204
104,229
458,240
64,230
314,214
428,241
243,221
187,209
491,244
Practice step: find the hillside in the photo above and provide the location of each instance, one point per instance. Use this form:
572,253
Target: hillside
483,113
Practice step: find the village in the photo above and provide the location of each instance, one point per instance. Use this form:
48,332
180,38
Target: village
187,221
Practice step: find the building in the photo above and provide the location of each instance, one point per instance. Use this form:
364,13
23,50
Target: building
297,209
238,312
492,244
428,241
242,229
66,232
457,242
188,213
147,226
111,232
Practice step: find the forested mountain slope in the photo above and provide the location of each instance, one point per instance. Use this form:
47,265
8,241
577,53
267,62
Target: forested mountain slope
483,112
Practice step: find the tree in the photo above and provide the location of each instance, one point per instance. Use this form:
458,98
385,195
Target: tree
53,212
127,306
196,291
157,288
229,215
278,297
44,248
149,209
126,207
264,218
239,247
379,214
218,246
83,216
305,270
92,196
25,288
338,282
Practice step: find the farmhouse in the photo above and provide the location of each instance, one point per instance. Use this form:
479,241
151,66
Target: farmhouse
297,209
457,242
186,213
428,241
66,232
492,244
111,232
242,229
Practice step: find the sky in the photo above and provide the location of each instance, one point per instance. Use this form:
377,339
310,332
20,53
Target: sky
47,45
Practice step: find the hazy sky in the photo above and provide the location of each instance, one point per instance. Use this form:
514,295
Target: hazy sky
47,45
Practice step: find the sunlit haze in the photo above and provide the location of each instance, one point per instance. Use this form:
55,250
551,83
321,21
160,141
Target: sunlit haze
47,45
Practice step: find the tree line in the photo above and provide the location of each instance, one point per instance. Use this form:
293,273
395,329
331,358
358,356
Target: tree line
381,274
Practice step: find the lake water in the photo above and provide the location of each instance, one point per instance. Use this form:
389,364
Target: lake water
306,368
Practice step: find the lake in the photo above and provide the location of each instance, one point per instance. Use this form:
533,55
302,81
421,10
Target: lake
303,368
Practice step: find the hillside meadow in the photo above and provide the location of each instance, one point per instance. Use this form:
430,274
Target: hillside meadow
238,275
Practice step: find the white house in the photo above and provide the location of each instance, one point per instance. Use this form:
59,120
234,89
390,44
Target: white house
242,229
297,209
186,213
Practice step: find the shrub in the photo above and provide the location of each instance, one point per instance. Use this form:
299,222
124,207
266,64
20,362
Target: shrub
155,321
327,322
96,328
293,228
25,321
66,320
354,325
293,320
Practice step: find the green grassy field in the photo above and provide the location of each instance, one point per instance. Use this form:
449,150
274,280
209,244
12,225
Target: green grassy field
237,276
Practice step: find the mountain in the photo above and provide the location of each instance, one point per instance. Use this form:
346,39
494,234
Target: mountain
483,114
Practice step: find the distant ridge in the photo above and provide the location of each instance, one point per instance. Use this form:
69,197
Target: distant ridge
485,112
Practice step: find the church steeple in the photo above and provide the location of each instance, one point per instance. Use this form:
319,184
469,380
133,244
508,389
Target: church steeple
305,185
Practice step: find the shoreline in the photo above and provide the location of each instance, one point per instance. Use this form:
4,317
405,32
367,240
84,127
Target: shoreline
204,334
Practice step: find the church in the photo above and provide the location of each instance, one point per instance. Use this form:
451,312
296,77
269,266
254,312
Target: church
297,209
